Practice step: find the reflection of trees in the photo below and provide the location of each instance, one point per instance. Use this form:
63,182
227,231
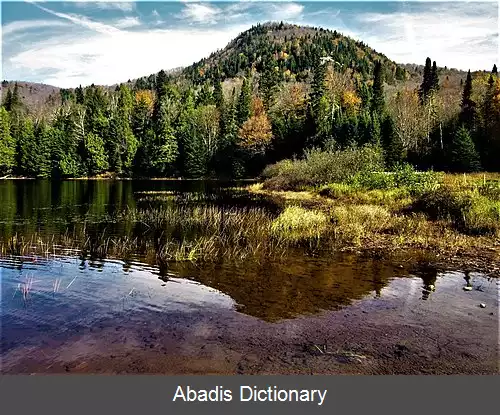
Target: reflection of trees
273,290
8,208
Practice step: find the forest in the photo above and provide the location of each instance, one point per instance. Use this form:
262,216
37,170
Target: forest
274,92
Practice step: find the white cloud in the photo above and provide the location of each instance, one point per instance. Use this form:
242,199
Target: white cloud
200,13
106,5
127,22
459,35
24,25
286,11
107,59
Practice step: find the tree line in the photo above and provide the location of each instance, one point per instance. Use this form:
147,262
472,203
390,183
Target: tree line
233,128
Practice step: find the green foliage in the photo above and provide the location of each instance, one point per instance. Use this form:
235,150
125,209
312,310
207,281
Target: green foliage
470,212
468,106
378,102
7,144
393,147
462,152
244,103
322,167
404,176
96,159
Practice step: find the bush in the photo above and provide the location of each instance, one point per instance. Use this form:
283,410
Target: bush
470,212
442,203
321,167
404,176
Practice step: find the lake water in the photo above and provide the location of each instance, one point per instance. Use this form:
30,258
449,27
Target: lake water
69,312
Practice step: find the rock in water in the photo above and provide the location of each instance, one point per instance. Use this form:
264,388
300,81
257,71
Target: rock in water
482,305
467,288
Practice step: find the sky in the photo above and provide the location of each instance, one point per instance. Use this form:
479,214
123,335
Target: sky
67,44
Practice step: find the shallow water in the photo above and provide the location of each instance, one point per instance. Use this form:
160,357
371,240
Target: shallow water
61,310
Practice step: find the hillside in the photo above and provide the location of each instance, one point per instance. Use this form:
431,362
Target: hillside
36,96
289,48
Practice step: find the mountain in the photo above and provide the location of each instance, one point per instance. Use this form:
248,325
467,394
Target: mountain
292,49
289,48
35,96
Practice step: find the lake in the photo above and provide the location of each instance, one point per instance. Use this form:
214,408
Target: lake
84,290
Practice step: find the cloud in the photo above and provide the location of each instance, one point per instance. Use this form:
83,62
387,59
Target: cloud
106,5
451,34
82,21
25,25
104,59
127,22
287,11
200,13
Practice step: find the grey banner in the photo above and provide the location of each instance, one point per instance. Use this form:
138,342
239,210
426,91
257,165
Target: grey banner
344,394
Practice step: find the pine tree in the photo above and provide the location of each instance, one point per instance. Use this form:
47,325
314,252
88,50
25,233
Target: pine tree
462,152
7,144
378,103
243,104
166,149
79,97
392,145
434,85
44,137
468,106
317,87
26,149
494,71
426,85
218,94
205,95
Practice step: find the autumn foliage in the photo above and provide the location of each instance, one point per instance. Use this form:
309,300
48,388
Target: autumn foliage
256,133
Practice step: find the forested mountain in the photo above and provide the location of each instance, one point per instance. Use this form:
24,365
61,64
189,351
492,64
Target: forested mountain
273,92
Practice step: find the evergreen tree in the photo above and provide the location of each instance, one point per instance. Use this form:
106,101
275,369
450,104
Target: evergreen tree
269,81
218,94
7,144
243,104
44,138
79,97
205,95
96,159
392,145
468,106
26,149
494,71
462,152
427,82
378,103
166,150
434,82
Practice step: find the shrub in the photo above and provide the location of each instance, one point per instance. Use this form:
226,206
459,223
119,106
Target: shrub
442,203
321,167
470,212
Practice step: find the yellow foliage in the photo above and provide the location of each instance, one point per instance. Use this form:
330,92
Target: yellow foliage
256,132
145,96
351,101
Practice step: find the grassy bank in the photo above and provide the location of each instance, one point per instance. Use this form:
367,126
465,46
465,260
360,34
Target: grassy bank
453,215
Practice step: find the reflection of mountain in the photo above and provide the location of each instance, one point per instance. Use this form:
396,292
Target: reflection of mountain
277,290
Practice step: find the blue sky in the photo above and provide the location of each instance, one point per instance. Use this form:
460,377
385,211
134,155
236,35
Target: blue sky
71,43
